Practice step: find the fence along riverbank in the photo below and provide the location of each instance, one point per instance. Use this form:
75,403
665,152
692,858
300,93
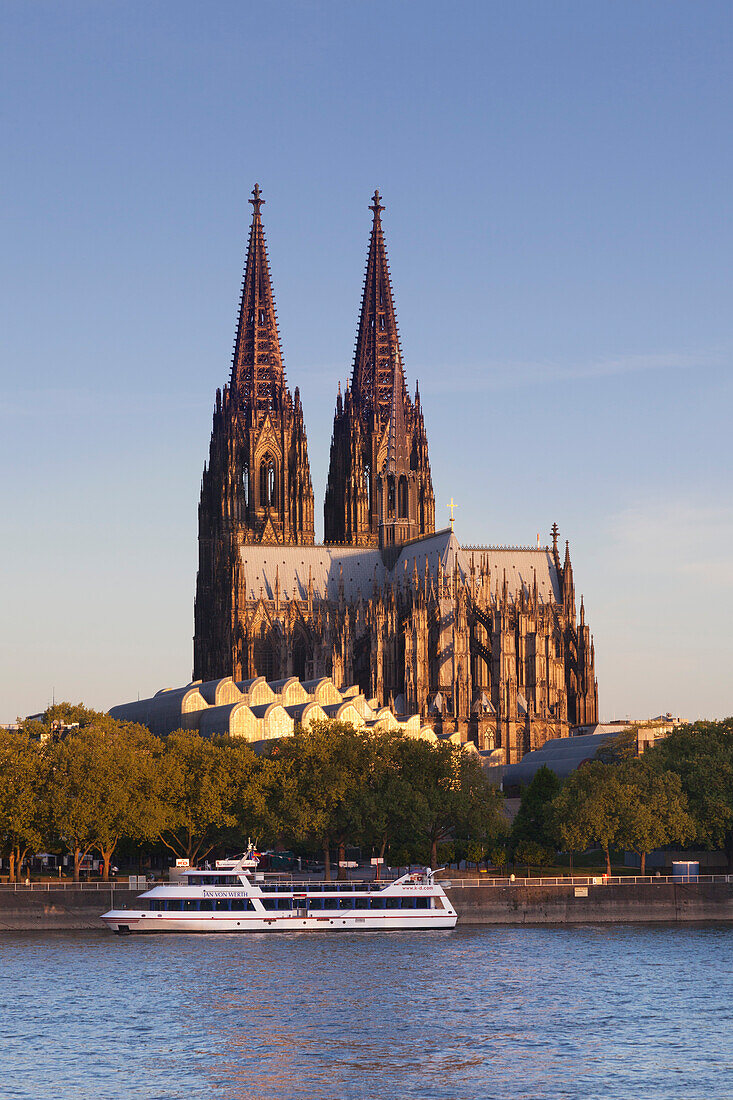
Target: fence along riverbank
581,900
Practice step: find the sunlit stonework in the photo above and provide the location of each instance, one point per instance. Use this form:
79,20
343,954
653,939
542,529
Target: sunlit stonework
482,640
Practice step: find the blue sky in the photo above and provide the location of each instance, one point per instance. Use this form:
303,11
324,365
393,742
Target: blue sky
557,182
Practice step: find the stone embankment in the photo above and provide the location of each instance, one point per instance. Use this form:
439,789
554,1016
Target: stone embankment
59,907
592,901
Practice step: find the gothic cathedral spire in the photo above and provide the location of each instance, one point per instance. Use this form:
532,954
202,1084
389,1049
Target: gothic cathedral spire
377,428
378,358
257,485
258,377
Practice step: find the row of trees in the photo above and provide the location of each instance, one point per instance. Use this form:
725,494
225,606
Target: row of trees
88,788
679,792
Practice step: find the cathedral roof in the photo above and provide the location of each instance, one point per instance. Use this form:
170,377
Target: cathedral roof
359,567
324,565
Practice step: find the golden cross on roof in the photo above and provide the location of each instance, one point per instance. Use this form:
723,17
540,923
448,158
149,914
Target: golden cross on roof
452,517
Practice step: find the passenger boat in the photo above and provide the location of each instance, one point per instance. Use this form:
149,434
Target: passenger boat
233,897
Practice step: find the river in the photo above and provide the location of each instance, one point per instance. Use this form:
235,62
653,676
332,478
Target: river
628,1011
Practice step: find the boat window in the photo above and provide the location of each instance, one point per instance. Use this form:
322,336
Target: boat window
394,903
330,903
346,903
222,904
378,903
242,903
277,903
207,905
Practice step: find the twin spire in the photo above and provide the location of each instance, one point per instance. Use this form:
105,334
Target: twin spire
258,375
378,359
378,432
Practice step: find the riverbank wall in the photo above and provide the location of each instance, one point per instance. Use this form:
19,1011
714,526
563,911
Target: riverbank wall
42,908
51,907
593,903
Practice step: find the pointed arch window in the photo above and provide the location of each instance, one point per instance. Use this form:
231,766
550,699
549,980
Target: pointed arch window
390,497
245,485
264,655
268,482
403,498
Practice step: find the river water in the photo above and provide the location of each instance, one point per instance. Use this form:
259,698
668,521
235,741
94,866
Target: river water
629,1011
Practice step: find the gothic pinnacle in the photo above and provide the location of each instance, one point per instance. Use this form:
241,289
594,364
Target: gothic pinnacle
376,203
257,202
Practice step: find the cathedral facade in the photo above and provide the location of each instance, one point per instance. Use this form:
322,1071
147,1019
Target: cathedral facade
481,640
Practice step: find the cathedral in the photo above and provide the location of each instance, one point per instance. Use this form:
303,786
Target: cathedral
483,641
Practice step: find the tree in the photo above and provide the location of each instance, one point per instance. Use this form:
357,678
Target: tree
481,818
432,772
449,795
498,856
532,822
588,809
195,793
653,810
619,748
534,854
22,768
702,755
318,786
125,763
100,780
249,791
80,779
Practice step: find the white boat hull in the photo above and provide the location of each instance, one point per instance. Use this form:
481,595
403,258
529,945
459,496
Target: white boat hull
131,921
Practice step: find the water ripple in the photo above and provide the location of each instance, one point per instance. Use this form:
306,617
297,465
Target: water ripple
478,1014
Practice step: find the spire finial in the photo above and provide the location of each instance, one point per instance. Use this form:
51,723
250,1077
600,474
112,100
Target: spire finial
257,202
376,204
452,507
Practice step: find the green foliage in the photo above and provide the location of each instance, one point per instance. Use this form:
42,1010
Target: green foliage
534,854
200,786
498,856
633,804
588,809
100,787
619,748
654,810
534,822
88,787
22,767
701,754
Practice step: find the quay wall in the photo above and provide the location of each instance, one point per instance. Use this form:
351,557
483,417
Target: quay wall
604,904
41,909
59,908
